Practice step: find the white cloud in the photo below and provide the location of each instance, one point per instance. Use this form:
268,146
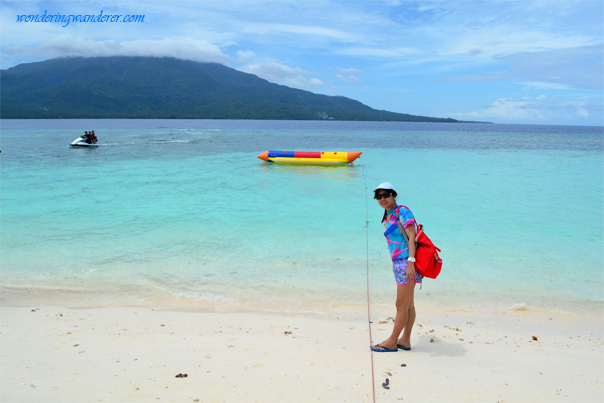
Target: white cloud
582,107
492,43
579,67
528,109
180,48
227,44
543,86
267,29
394,52
245,55
279,73
349,71
512,109
350,79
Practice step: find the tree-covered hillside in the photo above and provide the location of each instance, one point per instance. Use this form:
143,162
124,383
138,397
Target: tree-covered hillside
147,87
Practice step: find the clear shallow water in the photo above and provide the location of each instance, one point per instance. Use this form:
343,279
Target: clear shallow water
182,213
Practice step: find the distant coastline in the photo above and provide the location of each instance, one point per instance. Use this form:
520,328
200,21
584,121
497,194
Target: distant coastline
283,119
168,88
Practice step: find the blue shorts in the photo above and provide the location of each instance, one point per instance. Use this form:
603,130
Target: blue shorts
399,267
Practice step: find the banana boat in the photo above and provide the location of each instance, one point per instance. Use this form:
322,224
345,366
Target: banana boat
310,157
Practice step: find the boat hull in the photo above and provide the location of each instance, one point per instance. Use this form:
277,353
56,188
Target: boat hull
84,145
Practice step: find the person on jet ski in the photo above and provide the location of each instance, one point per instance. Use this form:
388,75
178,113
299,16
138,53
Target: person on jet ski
94,139
88,137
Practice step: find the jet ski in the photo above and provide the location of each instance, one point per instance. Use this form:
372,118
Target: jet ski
82,141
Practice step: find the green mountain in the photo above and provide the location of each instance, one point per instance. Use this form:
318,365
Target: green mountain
148,87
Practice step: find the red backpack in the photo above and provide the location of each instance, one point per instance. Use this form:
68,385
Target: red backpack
427,261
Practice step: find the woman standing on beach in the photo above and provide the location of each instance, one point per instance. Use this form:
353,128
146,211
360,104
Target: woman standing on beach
403,265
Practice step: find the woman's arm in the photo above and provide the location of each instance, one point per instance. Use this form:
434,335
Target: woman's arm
410,231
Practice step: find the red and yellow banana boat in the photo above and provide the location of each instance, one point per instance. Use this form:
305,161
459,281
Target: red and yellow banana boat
310,157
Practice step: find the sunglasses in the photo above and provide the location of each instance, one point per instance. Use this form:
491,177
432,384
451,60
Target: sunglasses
385,195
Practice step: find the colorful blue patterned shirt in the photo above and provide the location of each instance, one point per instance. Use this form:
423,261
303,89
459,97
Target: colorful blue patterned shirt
396,242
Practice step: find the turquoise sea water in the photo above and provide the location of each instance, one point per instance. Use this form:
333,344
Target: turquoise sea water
182,213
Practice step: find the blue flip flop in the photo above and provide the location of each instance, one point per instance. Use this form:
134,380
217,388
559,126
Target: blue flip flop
403,347
383,349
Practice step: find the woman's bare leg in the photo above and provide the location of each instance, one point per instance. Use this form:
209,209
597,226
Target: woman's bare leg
405,340
404,301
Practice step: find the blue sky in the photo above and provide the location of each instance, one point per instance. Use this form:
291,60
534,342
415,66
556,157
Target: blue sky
536,62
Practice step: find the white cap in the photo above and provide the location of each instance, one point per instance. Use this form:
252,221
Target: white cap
385,186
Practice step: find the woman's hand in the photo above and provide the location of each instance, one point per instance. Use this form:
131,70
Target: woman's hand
410,271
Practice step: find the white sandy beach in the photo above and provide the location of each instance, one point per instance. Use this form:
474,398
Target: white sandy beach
55,354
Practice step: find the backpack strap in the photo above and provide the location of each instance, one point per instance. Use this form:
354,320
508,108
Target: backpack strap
401,229
403,232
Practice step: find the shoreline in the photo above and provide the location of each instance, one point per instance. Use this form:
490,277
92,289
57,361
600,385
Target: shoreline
134,353
115,295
